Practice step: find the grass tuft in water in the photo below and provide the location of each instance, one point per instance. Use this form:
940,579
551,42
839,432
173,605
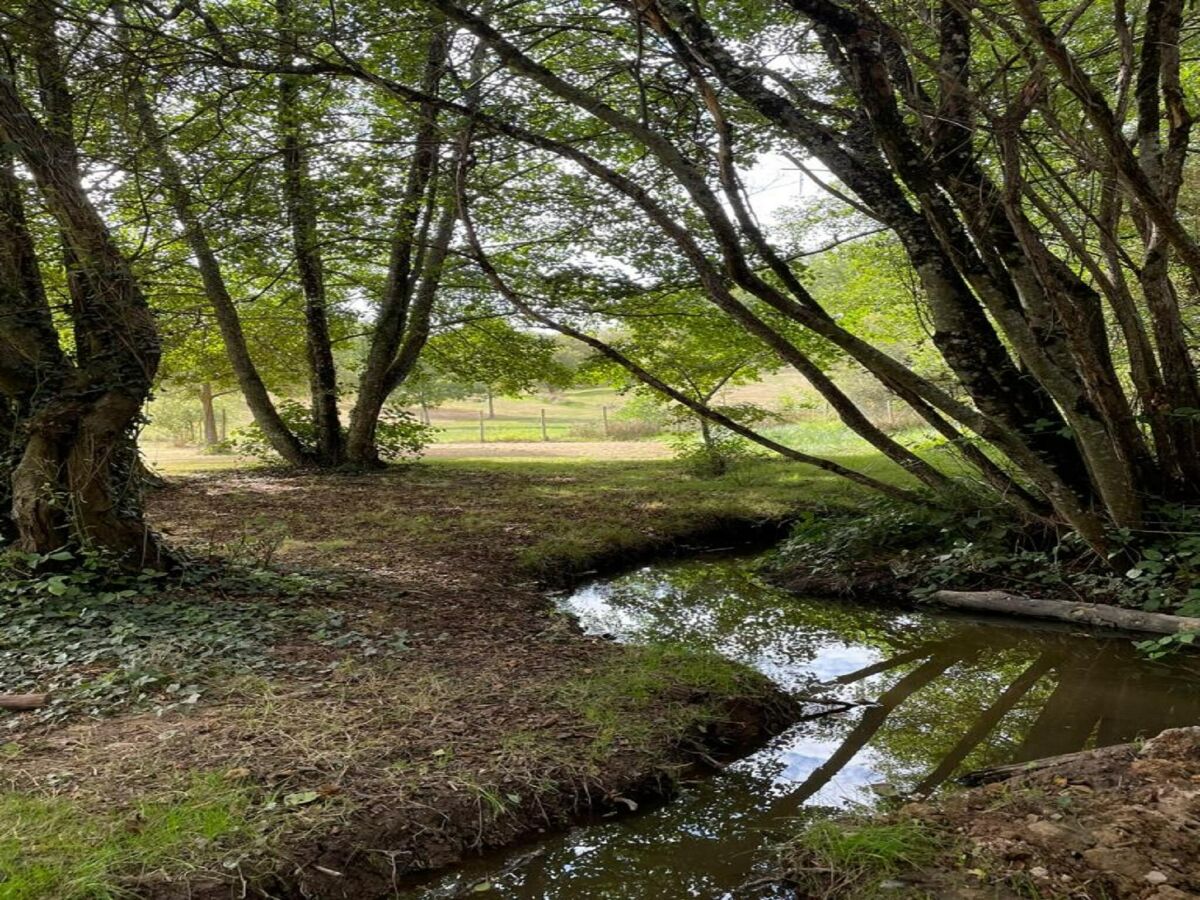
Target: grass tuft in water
850,859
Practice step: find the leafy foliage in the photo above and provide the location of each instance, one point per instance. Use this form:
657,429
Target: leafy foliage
101,639
969,549
399,435
714,455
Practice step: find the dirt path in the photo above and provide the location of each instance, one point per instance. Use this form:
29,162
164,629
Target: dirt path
173,460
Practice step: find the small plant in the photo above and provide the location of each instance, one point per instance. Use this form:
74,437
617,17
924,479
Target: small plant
1167,644
399,435
713,456
851,859
828,541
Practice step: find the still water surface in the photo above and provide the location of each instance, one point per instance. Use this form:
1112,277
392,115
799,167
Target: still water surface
939,694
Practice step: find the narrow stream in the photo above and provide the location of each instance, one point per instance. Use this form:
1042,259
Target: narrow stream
941,694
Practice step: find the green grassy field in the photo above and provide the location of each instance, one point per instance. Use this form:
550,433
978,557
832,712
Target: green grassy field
575,415
575,426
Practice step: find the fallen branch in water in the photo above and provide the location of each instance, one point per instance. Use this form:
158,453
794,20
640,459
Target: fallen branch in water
23,702
1066,610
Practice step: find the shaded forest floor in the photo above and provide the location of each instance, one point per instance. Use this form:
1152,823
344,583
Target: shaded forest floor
383,689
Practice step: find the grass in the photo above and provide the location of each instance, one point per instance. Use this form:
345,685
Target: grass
661,500
832,438
833,859
51,847
570,416
653,691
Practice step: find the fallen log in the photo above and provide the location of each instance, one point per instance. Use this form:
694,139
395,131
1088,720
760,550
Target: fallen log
23,702
992,774
1066,611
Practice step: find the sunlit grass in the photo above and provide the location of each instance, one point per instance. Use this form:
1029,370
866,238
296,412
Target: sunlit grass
635,699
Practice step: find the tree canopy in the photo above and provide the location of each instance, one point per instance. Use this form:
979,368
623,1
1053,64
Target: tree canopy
1005,241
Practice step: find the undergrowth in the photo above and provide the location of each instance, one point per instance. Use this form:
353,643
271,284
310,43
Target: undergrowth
100,639
656,689
929,549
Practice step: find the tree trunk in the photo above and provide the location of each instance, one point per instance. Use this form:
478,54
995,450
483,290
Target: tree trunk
74,479
302,217
23,702
210,415
249,380
1097,614
418,251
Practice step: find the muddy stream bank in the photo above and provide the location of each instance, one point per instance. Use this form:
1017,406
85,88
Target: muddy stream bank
932,695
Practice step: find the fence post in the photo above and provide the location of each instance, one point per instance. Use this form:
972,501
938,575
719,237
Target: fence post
604,413
481,438
545,437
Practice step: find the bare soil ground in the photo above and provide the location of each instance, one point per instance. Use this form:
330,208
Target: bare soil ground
1120,823
455,712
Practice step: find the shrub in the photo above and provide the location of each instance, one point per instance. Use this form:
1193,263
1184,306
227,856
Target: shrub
398,436
718,455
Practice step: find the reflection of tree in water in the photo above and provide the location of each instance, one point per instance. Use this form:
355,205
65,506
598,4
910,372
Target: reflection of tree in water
951,694
1026,696
719,605
954,693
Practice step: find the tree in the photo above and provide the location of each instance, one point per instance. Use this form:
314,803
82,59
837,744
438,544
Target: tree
1028,160
692,345
70,405
493,357
949,130
328,224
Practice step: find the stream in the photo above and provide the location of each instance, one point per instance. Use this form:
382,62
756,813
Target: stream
940,694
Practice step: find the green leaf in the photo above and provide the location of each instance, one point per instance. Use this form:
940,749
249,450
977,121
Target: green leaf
301,798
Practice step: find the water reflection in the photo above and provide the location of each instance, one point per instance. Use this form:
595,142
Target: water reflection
941,695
